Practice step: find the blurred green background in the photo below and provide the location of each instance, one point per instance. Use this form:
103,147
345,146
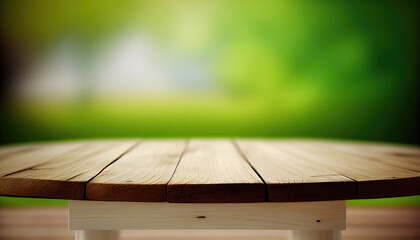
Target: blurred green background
273,69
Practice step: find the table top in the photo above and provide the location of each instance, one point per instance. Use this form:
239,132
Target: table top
209,170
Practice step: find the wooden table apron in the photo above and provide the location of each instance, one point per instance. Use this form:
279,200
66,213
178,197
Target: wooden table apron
203,183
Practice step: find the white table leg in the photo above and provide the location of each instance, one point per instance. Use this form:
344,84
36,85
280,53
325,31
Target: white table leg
315,235
97,234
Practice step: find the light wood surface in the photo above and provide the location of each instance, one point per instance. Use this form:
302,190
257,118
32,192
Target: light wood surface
404,157
374,178
292,178
140,175
16,159
65,175
106,215
212,170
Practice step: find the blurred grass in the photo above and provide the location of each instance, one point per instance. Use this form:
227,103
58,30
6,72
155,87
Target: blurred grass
398,201
19,202
372,117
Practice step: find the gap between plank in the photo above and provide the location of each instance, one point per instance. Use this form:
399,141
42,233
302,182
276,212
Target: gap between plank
187,142
136,143
236,146
355,181
363,156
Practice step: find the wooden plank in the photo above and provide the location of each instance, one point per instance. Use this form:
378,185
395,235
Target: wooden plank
106,215
15,159
292,178
140,175
214,171
65,175
9,151
407,157
211,171
374,179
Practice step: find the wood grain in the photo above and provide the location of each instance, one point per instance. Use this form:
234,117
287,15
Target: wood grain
63,176
407,157
374,178
140,175
291,178
18,158
214,171
9,151
210,170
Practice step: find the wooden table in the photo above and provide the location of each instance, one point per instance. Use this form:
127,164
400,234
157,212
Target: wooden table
299,185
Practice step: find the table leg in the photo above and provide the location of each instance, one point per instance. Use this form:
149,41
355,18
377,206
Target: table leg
315,235
97,234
